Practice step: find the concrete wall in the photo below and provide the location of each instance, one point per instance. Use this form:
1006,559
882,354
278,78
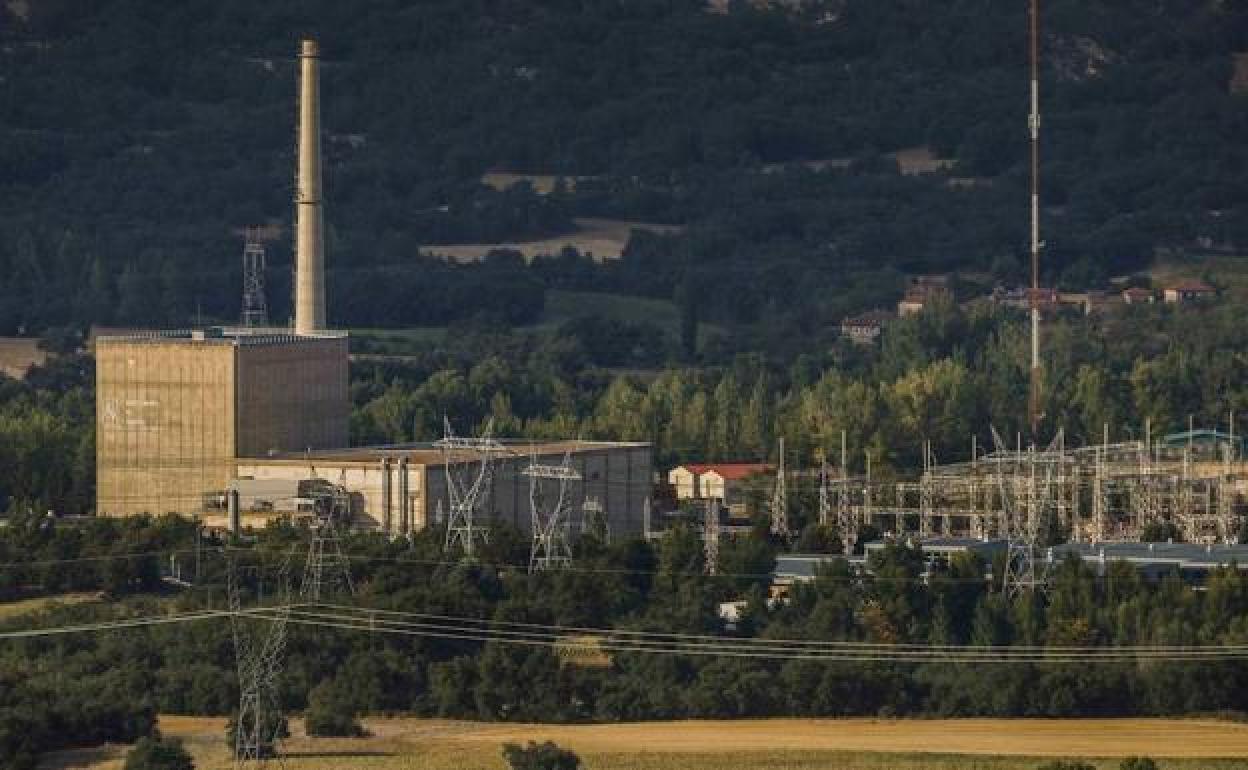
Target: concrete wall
365,481
164,424
620,477
292,396
174,413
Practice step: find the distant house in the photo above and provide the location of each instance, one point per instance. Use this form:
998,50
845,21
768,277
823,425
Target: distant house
923,290
1046,299
865,329
1138,296
720,481
1188,291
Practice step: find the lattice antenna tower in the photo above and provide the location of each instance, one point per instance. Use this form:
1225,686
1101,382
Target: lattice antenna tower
710,537
1033,125
258,650
780,501
468,463
552,511
327,571
255,308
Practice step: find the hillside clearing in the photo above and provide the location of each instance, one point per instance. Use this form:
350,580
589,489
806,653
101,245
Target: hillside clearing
604,239
791,744
15,609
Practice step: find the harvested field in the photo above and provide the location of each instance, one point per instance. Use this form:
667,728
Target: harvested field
605,239
775,744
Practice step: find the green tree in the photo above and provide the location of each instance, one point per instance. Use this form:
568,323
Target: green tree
332,711
543,756
155,752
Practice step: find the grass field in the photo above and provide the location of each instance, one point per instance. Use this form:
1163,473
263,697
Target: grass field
777,744
10,610
603,238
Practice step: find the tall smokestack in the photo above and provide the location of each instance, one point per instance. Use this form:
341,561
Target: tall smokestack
309,230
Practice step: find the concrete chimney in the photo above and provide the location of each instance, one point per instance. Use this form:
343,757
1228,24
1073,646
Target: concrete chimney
309,228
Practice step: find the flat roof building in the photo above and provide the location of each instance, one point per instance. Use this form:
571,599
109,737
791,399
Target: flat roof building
175,410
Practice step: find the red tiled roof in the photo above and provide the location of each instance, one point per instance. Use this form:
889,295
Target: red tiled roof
1196,286
729,471
1136,291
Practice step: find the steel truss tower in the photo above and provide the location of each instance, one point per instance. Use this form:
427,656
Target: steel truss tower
258,647
552,513
468,465
255,308
780,502
327,570
710,537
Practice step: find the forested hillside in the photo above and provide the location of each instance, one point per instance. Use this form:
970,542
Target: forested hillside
136,136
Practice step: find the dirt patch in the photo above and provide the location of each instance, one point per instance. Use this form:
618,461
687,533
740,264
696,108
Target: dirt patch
17,354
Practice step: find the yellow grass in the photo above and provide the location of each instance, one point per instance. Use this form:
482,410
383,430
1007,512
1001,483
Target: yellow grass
604,238
9,610
774,744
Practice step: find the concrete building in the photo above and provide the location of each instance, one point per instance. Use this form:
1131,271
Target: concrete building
176,409
865,329
1137,295
403,489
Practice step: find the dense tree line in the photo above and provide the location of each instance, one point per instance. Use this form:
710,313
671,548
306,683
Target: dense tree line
631,584
138,136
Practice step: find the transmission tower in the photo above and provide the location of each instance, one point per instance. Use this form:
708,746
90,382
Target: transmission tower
258,650
327,570
467,462
255,309
1026,481
780,502
710,537
552,512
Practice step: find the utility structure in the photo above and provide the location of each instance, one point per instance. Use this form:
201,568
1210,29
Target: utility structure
258,647
551,507
309,221
780,501
710,537
1029,482
327,571
1033,124
467,484
255,308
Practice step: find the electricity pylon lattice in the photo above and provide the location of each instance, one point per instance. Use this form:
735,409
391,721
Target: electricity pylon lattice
258,646
710,537
468,464
780,502
327,571
255,308
1027,481
552,512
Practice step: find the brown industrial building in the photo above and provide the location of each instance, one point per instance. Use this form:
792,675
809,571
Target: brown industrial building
188,421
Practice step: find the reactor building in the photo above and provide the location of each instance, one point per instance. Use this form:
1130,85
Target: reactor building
187,419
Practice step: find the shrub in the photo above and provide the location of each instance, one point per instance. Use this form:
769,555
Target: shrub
332,712
545,756
154,752
1137,763
1058,764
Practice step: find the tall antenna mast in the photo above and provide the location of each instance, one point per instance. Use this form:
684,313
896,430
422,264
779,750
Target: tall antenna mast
1033,403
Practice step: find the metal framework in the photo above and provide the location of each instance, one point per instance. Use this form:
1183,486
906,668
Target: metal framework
780,502
594,520
1027,495
552,513
255,308
327,570
468,463
258,647
710,537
